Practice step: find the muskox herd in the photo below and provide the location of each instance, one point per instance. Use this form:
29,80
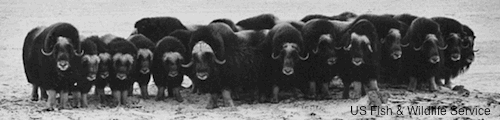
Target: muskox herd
260,56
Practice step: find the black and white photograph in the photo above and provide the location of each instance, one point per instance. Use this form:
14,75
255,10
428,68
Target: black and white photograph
249,59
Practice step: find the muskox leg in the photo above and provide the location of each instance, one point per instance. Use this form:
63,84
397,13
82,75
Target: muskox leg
77,99
347,87
124,97
34,92
131,89
64,99
177,94
44,93
117,97
85,102
374,85
325,91
144,91
447,82
169,92
276,90
312,90
51,102
438,81
212,103
100,94
432,84
160,95
413,84
226,95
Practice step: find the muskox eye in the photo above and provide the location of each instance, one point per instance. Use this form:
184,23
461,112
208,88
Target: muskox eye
465,44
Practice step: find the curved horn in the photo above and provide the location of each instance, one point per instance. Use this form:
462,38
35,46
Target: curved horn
47,54
187,65
417,49
337,48
220,62
79,54
476,50
348,47
275,57
370,48
304,58
403,45
316,50
443,48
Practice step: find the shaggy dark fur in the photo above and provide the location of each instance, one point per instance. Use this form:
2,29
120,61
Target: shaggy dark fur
229,22
263,21
370,68
321,65
242,66
405,18
314,16
143,63
417,64
119,87
44,71
156,28
161,68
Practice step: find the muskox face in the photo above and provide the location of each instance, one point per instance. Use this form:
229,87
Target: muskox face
171,62
204,60
467,46
123,65
359,49
430,49
104,64
288,55
90,65
145,56
392,44
453,52
325,50
63,52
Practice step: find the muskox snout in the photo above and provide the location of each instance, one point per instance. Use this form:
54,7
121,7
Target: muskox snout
104,75
202,75
121,76
396,55
173,73
63,65
470,59
287,71
357,61
91,77
145,70
455,57
434,59
331,60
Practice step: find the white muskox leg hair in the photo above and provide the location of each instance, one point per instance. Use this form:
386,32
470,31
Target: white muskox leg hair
276,90
413,84
85,102
117,97
432,84
226,95
212,103
64,99
34,92
160,95
374,85
177,94
325,91
99,92
312,90
144,91
76,99
51,102
447,82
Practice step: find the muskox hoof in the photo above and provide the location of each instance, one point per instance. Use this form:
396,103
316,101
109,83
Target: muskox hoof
274,100
160,98
179,99
211,106
325,97
311,97
34,98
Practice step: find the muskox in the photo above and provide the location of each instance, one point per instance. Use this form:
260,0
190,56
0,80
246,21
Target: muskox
104,64
49,56
123,54
156,28
405,18
319,39
167,71
422,59
359,58
390,32
284,51
229,22
259,22
467,44
144,59
223,61
87,71
452,34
